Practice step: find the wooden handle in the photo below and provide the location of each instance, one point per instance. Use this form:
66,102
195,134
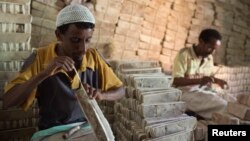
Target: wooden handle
71,132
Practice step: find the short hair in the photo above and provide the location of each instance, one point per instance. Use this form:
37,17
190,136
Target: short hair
81,25
207,34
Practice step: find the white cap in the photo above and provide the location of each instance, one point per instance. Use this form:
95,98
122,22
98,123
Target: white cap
74,13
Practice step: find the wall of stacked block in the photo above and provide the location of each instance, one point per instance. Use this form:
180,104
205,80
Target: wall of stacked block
15,33
152,109
156,29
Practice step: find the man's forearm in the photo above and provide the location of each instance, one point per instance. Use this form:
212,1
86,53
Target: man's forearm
181,81
222,83
19,93
217,80
115,94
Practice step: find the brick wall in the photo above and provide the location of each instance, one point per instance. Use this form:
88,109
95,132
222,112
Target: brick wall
15,33
156,29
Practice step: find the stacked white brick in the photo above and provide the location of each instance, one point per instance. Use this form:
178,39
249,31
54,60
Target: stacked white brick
152,109
237,112
238,78
106,13
44,14
15,32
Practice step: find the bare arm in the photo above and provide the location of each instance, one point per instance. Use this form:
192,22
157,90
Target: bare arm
115,94
183,81
223,84
19,93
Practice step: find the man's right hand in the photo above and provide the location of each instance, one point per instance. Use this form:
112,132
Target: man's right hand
61,62
206,80
92,92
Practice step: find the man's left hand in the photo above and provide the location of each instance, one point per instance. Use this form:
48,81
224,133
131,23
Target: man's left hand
223,84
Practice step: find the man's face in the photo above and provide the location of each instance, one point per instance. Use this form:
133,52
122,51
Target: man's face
75,42
210,47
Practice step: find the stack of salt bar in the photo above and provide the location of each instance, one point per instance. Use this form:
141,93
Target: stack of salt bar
237,77
44,14
15,33
152,110
237,112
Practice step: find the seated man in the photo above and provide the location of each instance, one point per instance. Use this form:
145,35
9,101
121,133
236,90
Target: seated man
48,74
192,72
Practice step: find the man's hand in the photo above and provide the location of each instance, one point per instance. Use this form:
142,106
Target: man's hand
206,80
61,62
223,84
92,92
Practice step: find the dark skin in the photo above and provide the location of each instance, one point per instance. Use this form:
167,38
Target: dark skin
73,45
202,50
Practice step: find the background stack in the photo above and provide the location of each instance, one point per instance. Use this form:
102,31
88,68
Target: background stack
44,14
158,29
15,32
106,13
237,112
152,109
238,78
154,29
